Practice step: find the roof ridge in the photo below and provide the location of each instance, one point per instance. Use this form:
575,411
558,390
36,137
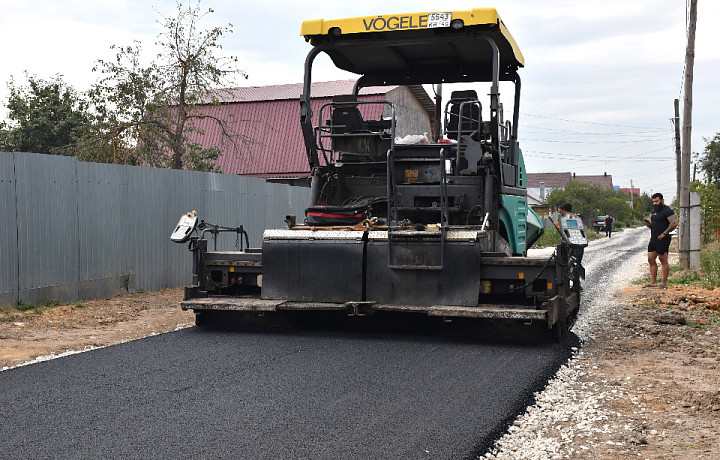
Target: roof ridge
291,91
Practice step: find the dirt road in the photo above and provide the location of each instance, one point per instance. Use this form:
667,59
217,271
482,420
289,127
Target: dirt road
46,332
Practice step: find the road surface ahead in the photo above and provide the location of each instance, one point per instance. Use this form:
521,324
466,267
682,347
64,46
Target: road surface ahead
285,395
195,394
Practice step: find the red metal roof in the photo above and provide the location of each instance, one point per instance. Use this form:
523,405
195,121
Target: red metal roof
635,191
561,179
268,119
550,180
601,180
292,91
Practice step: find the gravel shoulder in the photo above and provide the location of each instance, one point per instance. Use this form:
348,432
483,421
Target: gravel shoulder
645,384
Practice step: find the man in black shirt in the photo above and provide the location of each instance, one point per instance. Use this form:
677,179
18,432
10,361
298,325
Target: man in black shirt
661,223
609,226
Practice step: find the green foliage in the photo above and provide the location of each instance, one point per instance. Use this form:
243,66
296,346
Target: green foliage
710,263
24,306
679,276
146,112
590,200
642,206
709,208
550,237
43,116
708,275
709,160
137,113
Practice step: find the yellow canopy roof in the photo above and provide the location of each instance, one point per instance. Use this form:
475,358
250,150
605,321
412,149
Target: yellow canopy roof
418,47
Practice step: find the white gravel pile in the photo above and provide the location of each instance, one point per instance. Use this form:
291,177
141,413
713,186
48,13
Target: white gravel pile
568,410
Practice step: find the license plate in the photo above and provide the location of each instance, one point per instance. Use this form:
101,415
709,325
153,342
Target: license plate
439,20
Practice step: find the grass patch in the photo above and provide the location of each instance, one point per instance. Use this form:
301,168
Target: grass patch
710,263
24,306
550,238
708,275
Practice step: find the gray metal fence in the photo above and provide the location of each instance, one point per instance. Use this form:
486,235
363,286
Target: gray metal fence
72,230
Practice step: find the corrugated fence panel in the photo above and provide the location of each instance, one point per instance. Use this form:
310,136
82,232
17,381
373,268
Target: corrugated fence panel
8,231
102,222
47,222
77,230
148,198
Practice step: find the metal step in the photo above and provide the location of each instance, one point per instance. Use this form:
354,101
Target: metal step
483,311
231,304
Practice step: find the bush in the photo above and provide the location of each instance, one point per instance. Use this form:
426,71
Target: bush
549,238
24,306
710,263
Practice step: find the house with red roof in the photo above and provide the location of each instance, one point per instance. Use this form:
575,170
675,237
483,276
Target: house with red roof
634,191
266,122
540,184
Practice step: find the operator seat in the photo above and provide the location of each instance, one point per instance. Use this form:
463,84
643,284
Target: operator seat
346,118
465,127
351,135
467,123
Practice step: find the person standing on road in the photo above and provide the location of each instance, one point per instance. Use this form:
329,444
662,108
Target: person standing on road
566,208
609,225
661,223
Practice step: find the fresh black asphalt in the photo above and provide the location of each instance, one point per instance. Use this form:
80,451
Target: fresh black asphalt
318,394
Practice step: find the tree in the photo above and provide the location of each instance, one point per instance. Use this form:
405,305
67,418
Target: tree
145,113
587,199
709,160
643,205
709,208
619,208
43,117
591,200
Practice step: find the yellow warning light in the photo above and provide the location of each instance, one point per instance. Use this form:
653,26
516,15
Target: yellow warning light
232,269
521,276
549,286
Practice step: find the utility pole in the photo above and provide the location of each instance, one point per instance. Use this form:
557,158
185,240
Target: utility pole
686,142
678,155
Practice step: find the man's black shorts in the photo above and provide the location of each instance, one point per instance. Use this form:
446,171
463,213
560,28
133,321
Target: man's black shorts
659,246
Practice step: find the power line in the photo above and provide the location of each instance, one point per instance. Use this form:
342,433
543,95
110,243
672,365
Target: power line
663,132
589,122
650,172
595,142
595,159
601,156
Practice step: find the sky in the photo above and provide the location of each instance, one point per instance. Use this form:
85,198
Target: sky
598,85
